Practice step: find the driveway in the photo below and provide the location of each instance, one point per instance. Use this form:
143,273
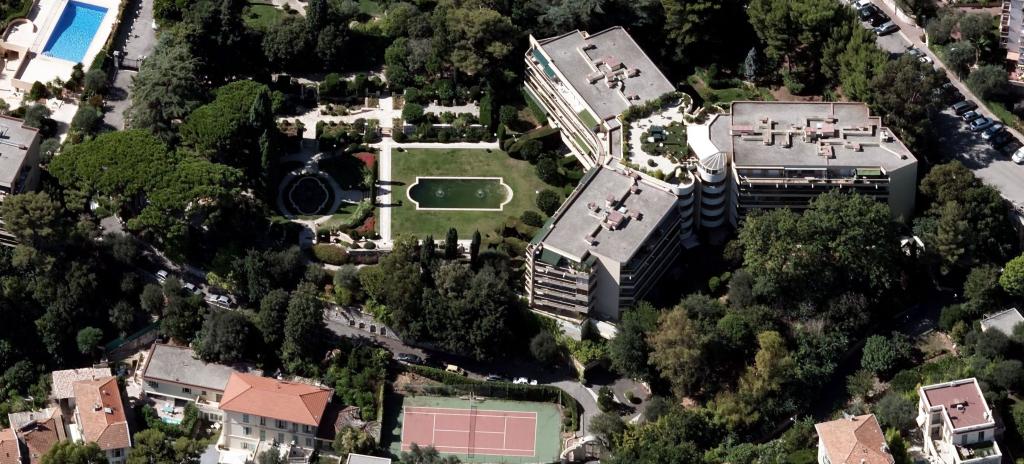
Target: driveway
134,42
958,143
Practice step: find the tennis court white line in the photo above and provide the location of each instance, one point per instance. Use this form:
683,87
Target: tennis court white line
464,431
433,429
477,415
504,429
438,447
533,413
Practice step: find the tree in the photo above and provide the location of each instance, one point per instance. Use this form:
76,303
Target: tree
122,316
95,82
36,116
897,447
167,87
531,218
988,82
353,440
34,218
271,317
606,399
548,201
940,29
677,437
226,337
544,348
152,299
841,243
609,427
285,45
974,26
859,62
982,288
883,355
271,456
547,171
317,15
412,113
425,455
73,452
657,407
89,340
896,411
330,45
797,33
629,350
182,317
302,329
154,446
87,119
478,36
1008,375
961,56
1012,279
346,285
860,384
451,244
677,351
903,92
474,249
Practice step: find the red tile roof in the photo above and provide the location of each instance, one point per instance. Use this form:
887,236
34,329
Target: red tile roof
10,452
857,440
276,399
101,413
42,434
974,410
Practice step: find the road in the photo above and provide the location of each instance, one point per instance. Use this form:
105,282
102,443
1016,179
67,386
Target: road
988,164
135,42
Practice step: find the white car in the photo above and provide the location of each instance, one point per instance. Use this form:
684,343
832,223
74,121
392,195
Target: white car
520,381
1018,156
161,275
861,4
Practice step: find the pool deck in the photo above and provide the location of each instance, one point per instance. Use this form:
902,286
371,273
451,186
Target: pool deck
30,37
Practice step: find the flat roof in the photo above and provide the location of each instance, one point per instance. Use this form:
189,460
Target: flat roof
1003,321
576,56
588,210
854,135
15,140
963,400
63,381
178,364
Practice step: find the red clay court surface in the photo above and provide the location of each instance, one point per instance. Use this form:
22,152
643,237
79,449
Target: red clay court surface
490,432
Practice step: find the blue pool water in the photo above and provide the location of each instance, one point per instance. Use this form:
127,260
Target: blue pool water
74,31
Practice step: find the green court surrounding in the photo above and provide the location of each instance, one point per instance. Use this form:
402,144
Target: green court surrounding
406,165
478,431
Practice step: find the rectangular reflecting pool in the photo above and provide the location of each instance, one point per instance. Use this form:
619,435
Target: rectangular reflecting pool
454,193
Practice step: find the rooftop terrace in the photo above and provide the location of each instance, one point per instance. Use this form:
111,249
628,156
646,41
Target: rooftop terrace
610,214
963,401
608,69
807,134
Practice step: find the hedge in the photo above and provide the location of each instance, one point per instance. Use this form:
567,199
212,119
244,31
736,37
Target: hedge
458,384
330,254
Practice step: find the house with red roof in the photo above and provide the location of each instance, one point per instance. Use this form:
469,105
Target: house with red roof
260,413
10,451
852,440
956,423
99,417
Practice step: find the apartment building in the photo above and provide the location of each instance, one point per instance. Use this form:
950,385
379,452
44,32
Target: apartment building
584,82
19,163
852,440
1011,31
99,418
261,412
606,246
38,432
784,154
956,423
174,376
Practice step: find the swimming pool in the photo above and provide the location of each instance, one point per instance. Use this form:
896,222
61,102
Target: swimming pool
74,31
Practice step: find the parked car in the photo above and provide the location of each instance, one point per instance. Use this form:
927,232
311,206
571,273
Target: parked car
919,55
455,369
859,4
993,130
970,116
161,275
980,124
867,12
191,288
495,378
1018,156
1001,140
963,107
225,301
409,358
886,28
880,18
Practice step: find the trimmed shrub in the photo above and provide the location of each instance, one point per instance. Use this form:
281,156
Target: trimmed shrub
330,254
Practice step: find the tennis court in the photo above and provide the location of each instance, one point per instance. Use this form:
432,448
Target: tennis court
481,430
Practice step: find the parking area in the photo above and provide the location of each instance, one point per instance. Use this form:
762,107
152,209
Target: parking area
955,140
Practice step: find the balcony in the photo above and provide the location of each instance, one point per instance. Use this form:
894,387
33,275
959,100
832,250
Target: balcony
986,452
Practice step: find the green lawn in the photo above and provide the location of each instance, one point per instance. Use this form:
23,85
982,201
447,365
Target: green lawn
262,16
406,165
